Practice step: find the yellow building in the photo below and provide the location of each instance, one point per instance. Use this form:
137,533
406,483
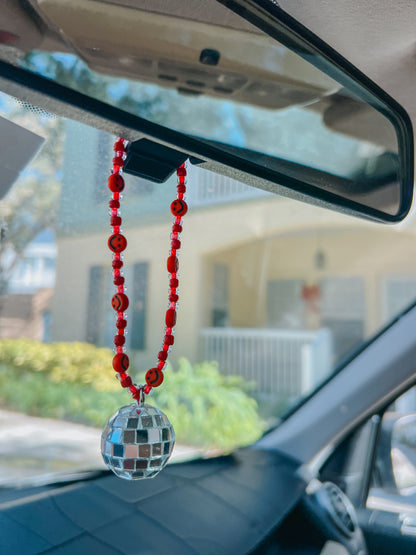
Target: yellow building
259,290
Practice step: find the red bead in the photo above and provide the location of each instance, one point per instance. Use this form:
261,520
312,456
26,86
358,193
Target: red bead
115,220
117,264
118,280
169,340
114,203
115,183
120,302
126,382
170,318
176,244
161,365
177,228
179,207
162,355
172,264
121,362
118,161
174,282
136,394
121,323
147,389
181,189
181,171
154,377
119,340
173,298
117,242
119,145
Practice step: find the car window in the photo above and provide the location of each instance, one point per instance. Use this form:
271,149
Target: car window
273,295
394,474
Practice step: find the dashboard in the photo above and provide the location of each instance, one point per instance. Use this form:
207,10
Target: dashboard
253,501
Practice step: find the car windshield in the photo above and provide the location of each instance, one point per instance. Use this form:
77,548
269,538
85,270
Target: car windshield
273,295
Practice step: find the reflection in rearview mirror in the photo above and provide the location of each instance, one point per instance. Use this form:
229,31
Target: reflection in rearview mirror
238,94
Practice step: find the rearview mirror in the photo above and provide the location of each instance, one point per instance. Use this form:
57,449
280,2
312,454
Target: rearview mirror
240,87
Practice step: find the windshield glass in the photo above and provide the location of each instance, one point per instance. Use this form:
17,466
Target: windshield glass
273,294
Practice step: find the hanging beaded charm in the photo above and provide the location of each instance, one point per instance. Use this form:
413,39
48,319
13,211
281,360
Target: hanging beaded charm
138,439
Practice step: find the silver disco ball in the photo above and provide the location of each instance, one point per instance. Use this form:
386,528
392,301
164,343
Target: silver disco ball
137,442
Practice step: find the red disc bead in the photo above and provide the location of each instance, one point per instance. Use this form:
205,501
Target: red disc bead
126,382
170,318
173,264
176,244
177,228
115,220
116,183
147,389
121,323
162,355
121,362
119,340
114,203
181,171
154,377
174,282
173,298
179,207
117,242
118,161
117,264
118,280
169,339
120,302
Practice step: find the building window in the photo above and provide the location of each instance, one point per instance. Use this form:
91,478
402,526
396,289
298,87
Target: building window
285,306
220,309
46,317
103,151
138,320
342,306
398,293
94,305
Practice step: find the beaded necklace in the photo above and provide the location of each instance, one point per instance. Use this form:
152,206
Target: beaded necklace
138,439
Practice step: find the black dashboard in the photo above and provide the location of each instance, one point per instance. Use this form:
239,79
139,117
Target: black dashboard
248,502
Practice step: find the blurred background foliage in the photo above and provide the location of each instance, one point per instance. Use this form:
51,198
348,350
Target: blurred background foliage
75,381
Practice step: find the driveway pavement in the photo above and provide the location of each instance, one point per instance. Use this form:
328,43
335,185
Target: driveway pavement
34,448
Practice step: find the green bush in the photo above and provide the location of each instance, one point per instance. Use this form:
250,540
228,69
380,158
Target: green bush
206,407
75,381
75,362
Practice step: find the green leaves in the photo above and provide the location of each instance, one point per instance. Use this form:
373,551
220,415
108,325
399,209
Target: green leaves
75,381
207,408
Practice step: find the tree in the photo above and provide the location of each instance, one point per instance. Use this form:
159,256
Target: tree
31,205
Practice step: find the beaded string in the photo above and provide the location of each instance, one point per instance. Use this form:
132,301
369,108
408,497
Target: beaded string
117,243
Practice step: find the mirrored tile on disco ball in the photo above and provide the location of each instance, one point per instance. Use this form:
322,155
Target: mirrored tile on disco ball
139,452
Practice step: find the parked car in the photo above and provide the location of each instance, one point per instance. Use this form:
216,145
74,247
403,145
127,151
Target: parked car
291,384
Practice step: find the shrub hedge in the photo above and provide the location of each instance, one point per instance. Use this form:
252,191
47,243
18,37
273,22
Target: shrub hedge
72,381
